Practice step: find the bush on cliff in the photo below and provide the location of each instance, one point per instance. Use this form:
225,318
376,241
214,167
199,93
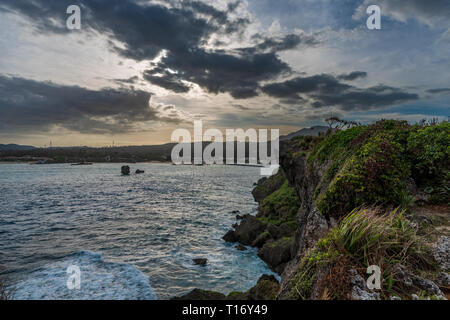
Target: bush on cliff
374,165
267,186
429,148
279,207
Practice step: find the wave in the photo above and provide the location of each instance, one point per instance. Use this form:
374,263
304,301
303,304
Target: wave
99,280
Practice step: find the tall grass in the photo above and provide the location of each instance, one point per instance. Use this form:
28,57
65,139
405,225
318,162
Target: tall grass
381,239
365,237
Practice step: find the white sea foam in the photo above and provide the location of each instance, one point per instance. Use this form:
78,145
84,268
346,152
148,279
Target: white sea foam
100,280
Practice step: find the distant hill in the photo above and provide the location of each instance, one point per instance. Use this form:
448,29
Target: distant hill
314,131
13,147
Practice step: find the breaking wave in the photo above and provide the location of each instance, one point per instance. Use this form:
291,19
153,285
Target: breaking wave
100,280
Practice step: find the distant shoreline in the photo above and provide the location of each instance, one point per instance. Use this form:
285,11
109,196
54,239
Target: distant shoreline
43,164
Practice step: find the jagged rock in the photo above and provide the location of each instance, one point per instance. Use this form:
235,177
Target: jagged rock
359,288
412,283
443,279
125,170
240,247
267,186
279,232
249,229
230,236
312,226
200,261
261,240
266,288
441,253
274,231
239,217
138,171
235,212
276,253
198,295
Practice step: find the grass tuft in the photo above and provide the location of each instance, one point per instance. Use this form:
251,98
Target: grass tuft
365,237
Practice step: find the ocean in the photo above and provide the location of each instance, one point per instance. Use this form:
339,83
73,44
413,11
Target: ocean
132,237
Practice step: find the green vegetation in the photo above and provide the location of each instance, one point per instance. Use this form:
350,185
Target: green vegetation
266,186
279,207
335,146
430,150
375,165
363,238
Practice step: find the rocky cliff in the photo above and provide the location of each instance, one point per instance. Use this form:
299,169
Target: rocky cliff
374,195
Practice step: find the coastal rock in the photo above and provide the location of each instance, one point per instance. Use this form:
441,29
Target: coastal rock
230,236
200,261
261,240
199,295
279,232
138,171
240,247
267,186
266,288
125,170
249,229
312,226
276,253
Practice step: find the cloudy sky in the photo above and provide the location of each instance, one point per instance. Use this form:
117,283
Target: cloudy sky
138,69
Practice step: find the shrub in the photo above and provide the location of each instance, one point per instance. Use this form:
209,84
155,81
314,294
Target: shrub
430,147
374,175
279,207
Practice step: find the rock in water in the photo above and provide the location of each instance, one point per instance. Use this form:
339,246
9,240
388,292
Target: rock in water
125,170
197,295
240,247
200,261
138,171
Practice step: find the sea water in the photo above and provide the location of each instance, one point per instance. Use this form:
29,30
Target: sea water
133,237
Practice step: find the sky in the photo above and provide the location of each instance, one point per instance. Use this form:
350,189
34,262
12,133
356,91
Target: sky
137,70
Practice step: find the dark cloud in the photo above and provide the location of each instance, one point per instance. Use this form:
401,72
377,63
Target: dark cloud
132,80
439,91
180,30
28,105
220,72
280,43
353,76
327,91
167,80
324,84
